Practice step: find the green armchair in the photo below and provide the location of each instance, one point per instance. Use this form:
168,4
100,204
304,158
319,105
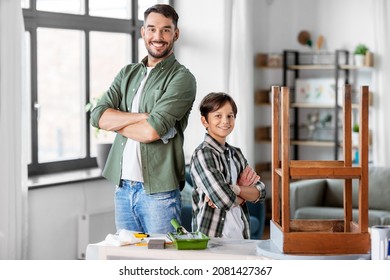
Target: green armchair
323,198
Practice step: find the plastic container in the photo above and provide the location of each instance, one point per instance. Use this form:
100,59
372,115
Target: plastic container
185,240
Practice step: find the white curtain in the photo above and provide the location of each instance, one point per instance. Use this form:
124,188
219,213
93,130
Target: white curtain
239,72
13,168
381,129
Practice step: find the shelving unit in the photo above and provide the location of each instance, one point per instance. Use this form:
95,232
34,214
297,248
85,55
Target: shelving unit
336,68
285,69
269,71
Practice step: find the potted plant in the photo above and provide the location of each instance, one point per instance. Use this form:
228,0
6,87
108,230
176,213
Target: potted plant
102,138
359,54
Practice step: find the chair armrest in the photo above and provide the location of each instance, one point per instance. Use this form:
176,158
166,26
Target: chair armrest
306,193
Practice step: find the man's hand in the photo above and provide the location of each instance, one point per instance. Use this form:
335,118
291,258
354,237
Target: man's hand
114,120
248,177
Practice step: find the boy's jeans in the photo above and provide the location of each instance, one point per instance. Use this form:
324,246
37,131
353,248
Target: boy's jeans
149,213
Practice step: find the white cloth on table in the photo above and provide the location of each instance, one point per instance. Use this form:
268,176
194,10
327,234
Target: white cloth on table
124,237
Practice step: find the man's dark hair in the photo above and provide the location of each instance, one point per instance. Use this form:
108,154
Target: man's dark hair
215,100
164,9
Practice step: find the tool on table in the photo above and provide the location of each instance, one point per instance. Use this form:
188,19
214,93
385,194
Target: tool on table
156,244
185,240
141,235
180,229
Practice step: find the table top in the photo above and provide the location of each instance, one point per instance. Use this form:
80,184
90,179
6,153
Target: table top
217,248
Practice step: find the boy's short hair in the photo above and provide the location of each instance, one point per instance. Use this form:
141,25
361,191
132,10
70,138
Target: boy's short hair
215,100
164,9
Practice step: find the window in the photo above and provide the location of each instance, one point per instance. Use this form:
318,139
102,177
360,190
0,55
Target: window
75,49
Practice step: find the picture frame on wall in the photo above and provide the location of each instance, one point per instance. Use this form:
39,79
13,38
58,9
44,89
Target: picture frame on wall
319,91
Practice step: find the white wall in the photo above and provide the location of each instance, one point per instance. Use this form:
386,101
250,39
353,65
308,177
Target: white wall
343,23
201,49
53,217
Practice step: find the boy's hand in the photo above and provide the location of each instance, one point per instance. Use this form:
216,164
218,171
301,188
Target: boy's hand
248,177
239,201
209,202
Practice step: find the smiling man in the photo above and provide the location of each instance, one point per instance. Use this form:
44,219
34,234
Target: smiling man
148,105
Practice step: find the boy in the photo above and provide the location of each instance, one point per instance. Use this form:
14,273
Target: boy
223,181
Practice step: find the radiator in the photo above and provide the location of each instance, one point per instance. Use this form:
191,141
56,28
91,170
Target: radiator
93,228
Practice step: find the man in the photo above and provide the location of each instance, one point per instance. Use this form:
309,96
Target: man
148,105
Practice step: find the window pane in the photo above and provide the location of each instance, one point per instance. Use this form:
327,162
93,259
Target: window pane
61,6
144,4
109,52
60,94
27,69
25,4
112,9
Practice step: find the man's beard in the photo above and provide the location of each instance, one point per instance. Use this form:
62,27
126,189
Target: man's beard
159,55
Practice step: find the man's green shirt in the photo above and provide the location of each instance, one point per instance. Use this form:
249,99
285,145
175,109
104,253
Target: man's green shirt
168,96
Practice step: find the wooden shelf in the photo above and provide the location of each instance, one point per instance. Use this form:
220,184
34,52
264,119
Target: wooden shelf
267,141
263,104
262,96
313,143
263,133
263,168
265,175
354,67
269,61
268,67
312,67
312,105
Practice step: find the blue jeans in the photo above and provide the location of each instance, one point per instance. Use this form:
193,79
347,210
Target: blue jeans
151,213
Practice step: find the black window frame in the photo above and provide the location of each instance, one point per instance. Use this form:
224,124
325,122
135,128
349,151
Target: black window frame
34,19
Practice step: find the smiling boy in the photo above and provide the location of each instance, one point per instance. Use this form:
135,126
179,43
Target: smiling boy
223,180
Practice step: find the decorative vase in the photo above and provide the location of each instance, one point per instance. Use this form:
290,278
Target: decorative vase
102,151
369,59
359,59
355,139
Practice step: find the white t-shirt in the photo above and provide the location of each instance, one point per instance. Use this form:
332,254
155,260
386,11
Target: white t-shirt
234,225
131,162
